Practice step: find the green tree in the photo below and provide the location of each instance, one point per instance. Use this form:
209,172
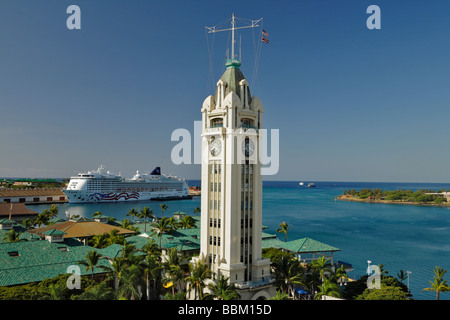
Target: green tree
126,224
196,210
132,278
12,236
152,273
187,222
53,212
384,293
322,265
328,288
287,270
402,276
357,288
438,284
160,227
283,228
41,218
199,272
281,295
132,213
115,238
27,223
91,261
100,291
115,270
163,208
146,213
100,241
222,290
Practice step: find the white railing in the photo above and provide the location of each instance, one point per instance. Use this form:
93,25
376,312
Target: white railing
253,284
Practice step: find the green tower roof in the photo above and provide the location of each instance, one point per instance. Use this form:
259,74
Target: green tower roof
231,77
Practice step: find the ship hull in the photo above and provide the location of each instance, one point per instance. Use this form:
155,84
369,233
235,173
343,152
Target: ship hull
108,197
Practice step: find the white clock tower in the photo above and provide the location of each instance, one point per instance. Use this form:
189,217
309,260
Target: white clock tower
231,203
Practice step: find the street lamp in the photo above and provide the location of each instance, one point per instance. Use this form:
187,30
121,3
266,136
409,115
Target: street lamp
408,273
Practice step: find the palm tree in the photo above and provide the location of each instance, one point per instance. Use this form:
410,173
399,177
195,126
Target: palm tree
281,295
151,248
340,275
152,271
173,224
128,252
222,290
131,281
160,227
328,288
115,238
402,275
41,218
439,285
100,241
284,227
57,292
116,268
199,273
92,259
321,265
176,275
99,292
132,213
146,212
53,212
27,223
196,210
187,222
127,225
290,272
163,208
12,236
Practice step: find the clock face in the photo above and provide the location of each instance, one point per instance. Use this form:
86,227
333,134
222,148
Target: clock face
215,147
248,147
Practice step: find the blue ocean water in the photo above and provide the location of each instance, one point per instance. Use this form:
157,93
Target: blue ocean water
401,237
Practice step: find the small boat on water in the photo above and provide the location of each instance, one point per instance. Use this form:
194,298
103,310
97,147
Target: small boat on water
301,183
311,185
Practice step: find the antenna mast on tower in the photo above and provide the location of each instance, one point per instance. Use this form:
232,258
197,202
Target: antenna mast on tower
253,24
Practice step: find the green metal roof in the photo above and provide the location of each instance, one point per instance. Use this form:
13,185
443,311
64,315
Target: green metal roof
304,245
39,260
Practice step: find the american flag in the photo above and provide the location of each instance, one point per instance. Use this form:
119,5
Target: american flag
265,33
265,40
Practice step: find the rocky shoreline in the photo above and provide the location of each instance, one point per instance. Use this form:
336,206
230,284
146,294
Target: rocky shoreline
371,200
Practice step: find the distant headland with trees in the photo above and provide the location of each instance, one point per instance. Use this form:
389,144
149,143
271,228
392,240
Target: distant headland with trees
422,197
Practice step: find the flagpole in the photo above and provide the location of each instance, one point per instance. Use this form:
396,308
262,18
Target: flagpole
232,37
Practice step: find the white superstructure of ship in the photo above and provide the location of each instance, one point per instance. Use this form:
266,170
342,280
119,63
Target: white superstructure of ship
103,186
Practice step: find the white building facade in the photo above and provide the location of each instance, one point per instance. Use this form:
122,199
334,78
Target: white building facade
231,204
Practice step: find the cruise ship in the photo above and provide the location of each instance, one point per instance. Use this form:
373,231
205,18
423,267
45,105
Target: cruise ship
101,186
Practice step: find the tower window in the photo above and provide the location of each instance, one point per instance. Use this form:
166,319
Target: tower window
217,123
247,123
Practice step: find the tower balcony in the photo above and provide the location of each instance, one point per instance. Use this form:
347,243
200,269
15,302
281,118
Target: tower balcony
247,128
243,285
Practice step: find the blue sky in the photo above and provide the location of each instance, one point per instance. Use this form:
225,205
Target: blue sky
351,104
